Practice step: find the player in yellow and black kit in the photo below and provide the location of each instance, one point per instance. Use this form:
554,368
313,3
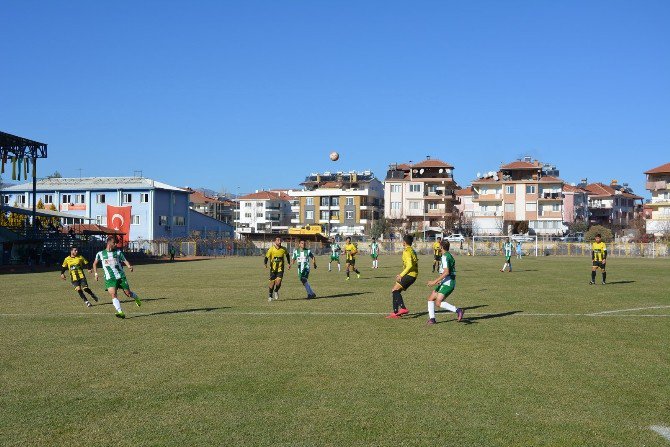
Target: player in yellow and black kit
75,264
275,256
405,278
599,257
350,251
437,253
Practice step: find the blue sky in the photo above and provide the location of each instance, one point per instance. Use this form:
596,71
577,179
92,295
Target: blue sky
255,94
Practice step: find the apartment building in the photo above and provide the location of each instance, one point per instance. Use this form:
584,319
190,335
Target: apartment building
575,203
214,207
263,212
523,191
658,183
612,204
343,203
421,196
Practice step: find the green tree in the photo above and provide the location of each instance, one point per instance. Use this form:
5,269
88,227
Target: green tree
578,227
379,228
604,232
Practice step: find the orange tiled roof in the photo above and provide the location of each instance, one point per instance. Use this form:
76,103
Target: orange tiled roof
520,165
432,163
570,188
550,179
465,191
602,190
266,195
663,169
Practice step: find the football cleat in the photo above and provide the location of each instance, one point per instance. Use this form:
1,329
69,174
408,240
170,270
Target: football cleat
591,282
393,316
402,312
459,314
275,295
138,303
88,304
120,314
358,275
431,321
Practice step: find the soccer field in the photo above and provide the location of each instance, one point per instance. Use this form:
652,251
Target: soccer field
541,359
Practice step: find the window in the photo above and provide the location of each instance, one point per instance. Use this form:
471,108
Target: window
309,215
100,198
349,215
162,220
324,215
178,221
309,201
395,205
509,189
144,197
325,201
48,198
414,205
247,204
335,201
531,207
135,219
350,201
5,199
530,189
127,197
22,199
247,215
432,206
67,198
395,188
259,214
509,207
415,188
334,215
98,220
555,207
79,198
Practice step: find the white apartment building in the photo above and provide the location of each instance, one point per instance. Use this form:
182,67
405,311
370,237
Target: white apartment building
658,183
263,212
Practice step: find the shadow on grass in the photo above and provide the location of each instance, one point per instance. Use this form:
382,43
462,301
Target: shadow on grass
473,320
620,282
339,295
179,311
128,300
442,311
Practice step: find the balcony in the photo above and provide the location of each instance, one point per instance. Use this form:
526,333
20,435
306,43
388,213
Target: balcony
656,186
487,198
550,196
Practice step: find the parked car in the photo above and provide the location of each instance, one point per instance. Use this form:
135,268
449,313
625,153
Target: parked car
456,237
573,237
522,238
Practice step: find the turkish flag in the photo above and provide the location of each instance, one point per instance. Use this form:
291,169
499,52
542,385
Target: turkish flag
118,218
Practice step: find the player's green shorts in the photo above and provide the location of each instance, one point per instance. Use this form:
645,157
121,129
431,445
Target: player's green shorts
374,255
508,259
446,287
120,283
304,274
334,258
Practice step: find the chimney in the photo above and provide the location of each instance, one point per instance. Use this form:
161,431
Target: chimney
614,183
427,157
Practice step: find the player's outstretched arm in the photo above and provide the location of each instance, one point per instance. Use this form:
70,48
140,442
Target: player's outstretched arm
95,268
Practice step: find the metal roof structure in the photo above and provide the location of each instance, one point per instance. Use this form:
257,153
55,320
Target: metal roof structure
94,183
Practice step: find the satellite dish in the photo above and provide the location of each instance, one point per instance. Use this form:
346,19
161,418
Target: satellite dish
414,171
421,171
495,177
479,174
441,170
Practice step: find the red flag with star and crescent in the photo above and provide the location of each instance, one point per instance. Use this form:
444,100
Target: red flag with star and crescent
118,218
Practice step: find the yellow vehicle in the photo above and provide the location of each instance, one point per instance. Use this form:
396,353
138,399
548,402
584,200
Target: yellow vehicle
307,229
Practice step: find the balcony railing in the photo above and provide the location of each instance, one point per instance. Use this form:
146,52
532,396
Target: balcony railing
550,195
655,186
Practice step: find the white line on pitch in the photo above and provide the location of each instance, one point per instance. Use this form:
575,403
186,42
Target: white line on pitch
661,430
306,313
628,310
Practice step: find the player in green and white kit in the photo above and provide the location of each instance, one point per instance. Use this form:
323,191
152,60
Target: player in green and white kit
334,254
374,253
444,285
507,249
303,255
112,260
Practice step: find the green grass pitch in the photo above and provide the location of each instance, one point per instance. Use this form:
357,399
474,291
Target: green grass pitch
541,359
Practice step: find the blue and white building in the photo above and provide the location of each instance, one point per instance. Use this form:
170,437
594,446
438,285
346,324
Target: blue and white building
158,210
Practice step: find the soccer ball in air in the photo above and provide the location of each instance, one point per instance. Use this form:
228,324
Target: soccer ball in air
334,156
